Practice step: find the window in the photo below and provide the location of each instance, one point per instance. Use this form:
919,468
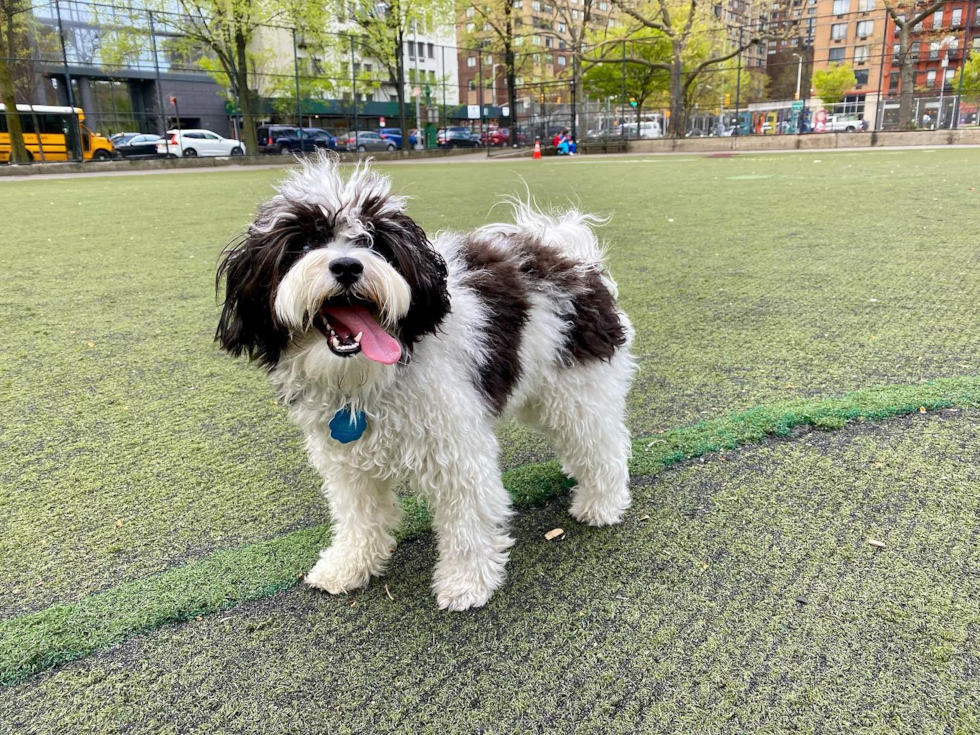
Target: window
893,81
470,27
603,5
536,40
897,29
861,77
976,18
471,62
976,45
518,81
931,78
895,49
950,73
536,5
411,50
486,26
487,60
836,56
472,85
865,28
549,42
562,61
838,31
937,19
518,4
469,11
574,15
561,44
957,19
562,28
934,50
519,41
865,5
841,6
432,51
860,54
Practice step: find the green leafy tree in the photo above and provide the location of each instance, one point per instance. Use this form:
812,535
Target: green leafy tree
970,73
698,42
12,45
384,27
644,82
833,83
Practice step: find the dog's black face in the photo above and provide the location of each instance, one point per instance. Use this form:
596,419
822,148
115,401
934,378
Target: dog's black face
358,271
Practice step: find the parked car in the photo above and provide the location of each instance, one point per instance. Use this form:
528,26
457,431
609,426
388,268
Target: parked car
121,137
137,146
276,139
192,143
366,140
842,124
321,138
460,140
288,141
441,133
395,136
502,137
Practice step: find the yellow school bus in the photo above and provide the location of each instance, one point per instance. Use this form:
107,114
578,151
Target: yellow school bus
58,139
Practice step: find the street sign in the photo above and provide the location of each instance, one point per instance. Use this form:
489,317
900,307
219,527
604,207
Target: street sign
381,122
416,91
797,105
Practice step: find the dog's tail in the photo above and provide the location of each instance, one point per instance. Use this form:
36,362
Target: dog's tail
568,231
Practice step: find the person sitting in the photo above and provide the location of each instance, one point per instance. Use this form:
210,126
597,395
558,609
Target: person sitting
563,146
572,148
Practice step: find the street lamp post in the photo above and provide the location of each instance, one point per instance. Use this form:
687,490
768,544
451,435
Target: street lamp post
799,75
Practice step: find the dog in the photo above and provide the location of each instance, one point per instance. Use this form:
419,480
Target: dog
397,356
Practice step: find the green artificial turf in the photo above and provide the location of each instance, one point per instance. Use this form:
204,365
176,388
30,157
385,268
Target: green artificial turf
141,464
33,642
131,445
741,595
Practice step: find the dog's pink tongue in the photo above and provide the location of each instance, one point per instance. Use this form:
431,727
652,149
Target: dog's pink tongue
376,343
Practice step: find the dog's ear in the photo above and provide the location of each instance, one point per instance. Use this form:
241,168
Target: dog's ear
251,271
404,243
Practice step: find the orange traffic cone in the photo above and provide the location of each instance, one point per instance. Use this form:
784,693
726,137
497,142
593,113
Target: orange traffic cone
537,149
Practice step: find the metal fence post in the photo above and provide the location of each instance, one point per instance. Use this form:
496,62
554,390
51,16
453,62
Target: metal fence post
77,137
299,103
955,123
738,86
879,119
156,68
623,129
353,76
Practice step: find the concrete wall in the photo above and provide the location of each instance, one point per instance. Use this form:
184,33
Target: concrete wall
918,138
165,164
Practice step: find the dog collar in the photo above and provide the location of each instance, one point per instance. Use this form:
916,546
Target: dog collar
348,426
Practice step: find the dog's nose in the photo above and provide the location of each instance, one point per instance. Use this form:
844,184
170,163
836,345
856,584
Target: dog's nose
346,270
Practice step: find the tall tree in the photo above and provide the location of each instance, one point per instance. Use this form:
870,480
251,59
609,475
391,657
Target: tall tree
383,30
687,25
12,43
500,24
907,14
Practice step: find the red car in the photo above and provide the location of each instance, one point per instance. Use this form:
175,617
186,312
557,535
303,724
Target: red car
502,137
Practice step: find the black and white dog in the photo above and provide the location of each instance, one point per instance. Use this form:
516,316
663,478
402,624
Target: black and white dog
398,356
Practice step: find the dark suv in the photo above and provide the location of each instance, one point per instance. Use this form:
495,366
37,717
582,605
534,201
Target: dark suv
275,138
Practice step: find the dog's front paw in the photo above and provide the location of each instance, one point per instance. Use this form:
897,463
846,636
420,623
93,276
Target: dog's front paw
599,510
339,571
470,584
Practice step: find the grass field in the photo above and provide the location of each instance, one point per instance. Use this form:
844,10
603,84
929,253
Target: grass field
132,447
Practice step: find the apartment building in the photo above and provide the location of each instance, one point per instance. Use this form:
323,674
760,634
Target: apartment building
545,32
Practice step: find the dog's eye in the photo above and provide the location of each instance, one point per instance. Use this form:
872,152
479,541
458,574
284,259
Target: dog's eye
307,248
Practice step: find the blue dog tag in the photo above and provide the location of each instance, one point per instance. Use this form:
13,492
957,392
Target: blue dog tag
347,428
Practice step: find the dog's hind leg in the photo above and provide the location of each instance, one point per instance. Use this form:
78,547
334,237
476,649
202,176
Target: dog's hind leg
471,508
583,412
365,511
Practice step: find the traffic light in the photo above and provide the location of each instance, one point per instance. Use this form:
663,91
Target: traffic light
728,99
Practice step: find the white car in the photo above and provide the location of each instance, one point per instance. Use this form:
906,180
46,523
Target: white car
192,143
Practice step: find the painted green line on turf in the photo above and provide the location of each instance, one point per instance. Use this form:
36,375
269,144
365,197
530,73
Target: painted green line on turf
37,641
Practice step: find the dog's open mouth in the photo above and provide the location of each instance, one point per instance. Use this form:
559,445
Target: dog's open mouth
352,328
